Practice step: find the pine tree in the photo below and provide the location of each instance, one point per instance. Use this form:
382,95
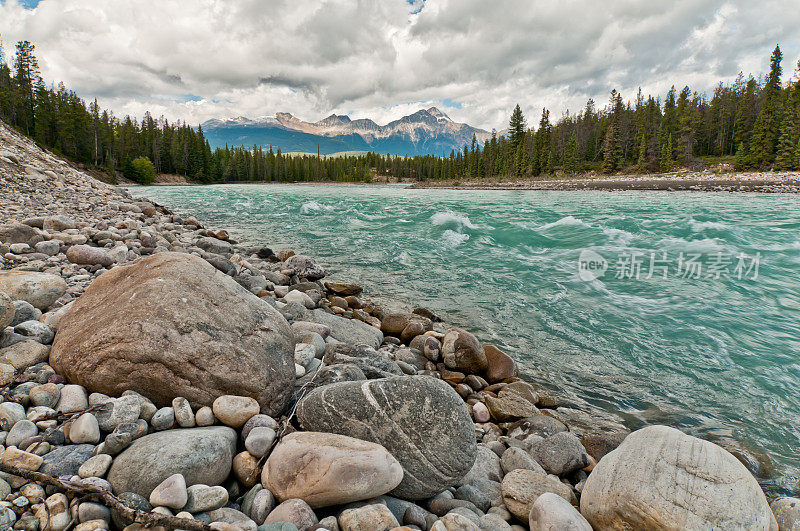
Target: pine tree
765,134
516,127
785,159
571,164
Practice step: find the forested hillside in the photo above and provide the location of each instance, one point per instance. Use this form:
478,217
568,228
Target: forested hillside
754,121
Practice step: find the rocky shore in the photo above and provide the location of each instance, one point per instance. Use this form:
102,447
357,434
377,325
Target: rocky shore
761,182
157,374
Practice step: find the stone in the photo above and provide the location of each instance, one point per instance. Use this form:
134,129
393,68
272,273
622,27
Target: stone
238,520
201,455
328,469
375,517
202,498
24,354
510,407
54,513
20,459
371,362
454,522
19,233
787,513
263,504
245,467
24,429
35,330
430,347
39,289
517,458
204,417
348,331
50,248
199,335
304,267
213,245
58,223
480,412
118,411
395,323
170,493
73,399
10,414
304,353
294,511
45,395
259,441
300,298
66,460
647,482
521,488
24,311
7,311
539,425
421,421
133,501
88,511
560,454
343,288
551,511
462,352
487,467
500,366
257,421
88,255
96,466
163,419
234,410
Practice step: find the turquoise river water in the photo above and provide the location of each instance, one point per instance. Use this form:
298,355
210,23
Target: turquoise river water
695,322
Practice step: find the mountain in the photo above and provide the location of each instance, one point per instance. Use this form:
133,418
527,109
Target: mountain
426,132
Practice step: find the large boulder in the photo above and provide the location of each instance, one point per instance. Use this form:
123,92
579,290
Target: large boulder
421,421
202,455
661,478
39,289
171,325
348,331
328,469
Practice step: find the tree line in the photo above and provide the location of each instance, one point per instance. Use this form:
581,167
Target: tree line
755,123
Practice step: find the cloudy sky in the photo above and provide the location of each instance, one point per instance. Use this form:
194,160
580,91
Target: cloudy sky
199,59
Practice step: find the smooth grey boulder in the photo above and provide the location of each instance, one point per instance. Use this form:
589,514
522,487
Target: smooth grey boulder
348,331
203,455
661,478
421,421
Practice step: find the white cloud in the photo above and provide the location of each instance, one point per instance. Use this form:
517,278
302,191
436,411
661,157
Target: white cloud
385,58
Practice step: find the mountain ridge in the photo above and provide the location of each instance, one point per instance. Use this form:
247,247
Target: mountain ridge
425,132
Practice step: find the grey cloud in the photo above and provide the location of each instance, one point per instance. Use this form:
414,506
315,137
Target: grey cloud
386,57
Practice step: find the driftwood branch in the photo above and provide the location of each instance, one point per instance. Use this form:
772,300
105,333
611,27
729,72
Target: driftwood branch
90,492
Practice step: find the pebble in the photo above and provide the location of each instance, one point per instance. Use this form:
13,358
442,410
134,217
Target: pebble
375,517
10,414
163,419
73,399
21,430
259,441
88,511
96,466
46,395
234,410
19,458
118,411
170,493
205,416
202,498
35,330
85,429
183,412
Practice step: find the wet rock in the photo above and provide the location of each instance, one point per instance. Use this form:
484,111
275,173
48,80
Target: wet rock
462,352
500,366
